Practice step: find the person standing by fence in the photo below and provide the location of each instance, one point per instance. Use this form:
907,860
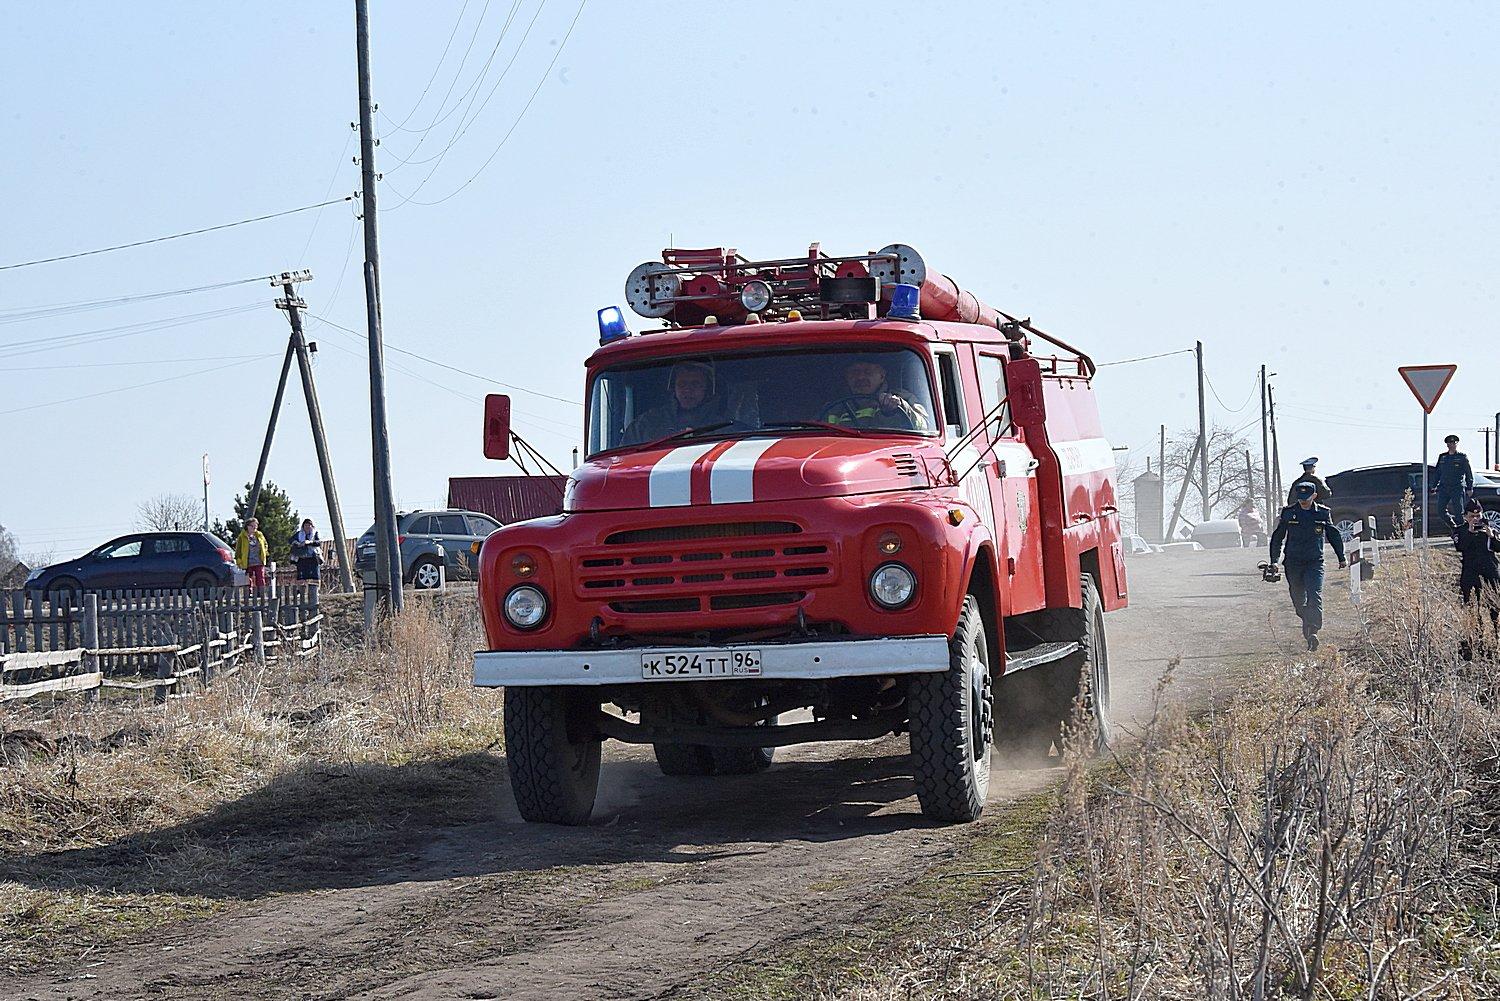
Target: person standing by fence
1479,577
251,552
307,551
1455,480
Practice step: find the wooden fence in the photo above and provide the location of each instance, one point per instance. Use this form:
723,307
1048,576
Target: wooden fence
147,640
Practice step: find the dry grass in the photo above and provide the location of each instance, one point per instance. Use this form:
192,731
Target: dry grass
116,817
1331,831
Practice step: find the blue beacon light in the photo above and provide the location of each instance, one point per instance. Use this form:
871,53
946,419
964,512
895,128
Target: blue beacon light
904,303
612,325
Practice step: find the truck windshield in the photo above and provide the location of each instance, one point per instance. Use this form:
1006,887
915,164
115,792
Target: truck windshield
855,389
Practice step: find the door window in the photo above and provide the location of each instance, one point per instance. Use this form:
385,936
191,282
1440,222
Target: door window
953,406
122,550
421,526
482,526
171,547
450,524
992,393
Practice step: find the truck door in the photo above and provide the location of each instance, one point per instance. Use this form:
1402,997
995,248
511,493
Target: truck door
1010,472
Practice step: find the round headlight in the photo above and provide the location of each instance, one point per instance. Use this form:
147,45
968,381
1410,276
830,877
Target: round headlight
755,296
525,607
892,585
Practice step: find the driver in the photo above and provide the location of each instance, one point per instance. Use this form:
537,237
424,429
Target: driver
871,404
694,403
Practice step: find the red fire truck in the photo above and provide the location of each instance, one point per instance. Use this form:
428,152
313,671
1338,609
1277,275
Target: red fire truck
834,498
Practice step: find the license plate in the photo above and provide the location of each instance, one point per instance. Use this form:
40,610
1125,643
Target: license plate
690,665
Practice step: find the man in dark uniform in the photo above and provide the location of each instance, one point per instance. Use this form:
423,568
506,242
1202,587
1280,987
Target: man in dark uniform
1479,577
1303,527
1455,480
693,403
1309,475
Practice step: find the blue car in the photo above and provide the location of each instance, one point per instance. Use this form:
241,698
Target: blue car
193,560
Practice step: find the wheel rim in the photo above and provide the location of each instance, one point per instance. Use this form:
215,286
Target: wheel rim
1492,518
981,704
427,575
1348,528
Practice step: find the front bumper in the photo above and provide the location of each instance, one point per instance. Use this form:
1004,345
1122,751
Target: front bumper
779,661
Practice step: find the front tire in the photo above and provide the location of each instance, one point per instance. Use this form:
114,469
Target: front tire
951,724
554,766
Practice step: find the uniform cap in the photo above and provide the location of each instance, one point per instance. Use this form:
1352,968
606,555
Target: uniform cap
1451,437
1313,461
1306,489
1473,505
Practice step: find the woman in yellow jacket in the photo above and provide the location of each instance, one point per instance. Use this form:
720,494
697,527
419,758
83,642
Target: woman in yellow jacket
250,553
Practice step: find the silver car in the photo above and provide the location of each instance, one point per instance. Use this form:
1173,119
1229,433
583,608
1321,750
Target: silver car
429,540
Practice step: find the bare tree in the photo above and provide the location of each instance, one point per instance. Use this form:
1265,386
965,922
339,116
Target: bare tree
1231,481
169,512
10,552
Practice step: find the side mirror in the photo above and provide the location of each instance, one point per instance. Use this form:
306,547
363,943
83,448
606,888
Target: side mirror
497,426
1023,380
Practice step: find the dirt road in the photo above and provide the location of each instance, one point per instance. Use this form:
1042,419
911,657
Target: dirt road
675,878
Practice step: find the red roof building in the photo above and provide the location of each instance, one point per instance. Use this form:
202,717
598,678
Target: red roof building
507,498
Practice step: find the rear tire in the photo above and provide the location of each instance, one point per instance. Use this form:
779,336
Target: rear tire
200,581
683,759
742,760
951,725
1033,706
554,768
426,574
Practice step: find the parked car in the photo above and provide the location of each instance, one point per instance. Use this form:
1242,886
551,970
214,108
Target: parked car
145,560
1140,547
429,540
1218,533
1378,490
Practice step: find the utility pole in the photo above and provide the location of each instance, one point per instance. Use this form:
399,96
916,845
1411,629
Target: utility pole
265,449
1486,433
1161,468
1265,447
1275,442
293,305
205,492
1497,439
1249,478
387,552
1202,435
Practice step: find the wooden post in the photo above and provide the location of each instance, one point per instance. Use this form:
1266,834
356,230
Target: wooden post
164,664
257,636
206,652
89,640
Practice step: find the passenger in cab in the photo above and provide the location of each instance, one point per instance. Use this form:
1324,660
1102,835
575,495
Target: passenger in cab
694,403
870,402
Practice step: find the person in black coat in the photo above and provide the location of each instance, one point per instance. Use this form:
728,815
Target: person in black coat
1477,545
307,551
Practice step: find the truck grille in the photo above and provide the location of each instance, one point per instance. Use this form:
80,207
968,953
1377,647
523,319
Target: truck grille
695,568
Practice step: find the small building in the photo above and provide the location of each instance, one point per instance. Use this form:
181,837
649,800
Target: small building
14,576
1149,506
508,499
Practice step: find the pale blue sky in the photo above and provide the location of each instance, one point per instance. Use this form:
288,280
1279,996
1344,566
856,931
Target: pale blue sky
1313,186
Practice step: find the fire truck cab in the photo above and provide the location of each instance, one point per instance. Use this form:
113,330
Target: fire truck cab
834,498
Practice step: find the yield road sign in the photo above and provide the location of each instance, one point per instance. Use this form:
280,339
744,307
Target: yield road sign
1427,382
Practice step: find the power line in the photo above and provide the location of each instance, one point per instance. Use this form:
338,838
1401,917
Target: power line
174,236
451,368
513,125
126,389
1129,361
444,58
88,305
470,116
1232,410
12,349
119,364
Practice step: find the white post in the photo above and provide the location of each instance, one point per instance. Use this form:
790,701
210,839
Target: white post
1426,515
